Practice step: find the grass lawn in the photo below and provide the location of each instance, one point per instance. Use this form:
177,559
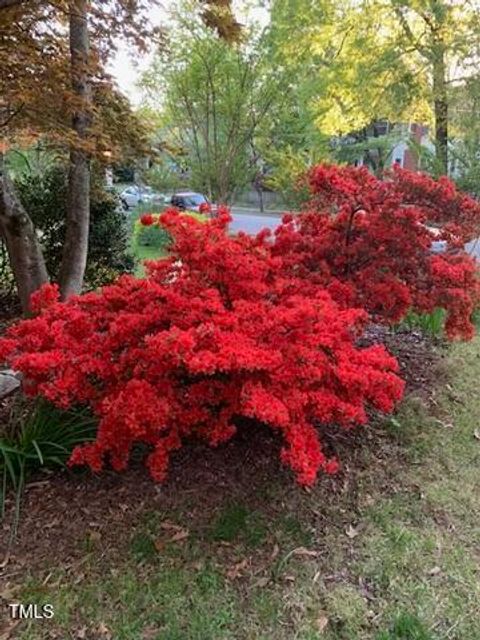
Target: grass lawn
141,252
388,550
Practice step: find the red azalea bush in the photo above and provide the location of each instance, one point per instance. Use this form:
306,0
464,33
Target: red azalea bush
368,241
217,332
261,328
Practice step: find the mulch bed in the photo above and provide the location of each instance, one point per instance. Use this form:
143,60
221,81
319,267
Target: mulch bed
61,512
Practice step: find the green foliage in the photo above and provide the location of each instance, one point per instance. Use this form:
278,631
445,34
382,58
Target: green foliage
429,323
39,436
235,522
476,319
289,168
44,197
215,98
152,236
163,176
143,547
406,627
375,150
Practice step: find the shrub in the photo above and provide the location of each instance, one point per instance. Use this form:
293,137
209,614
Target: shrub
215,335
147,233
148,230
369,242
44,197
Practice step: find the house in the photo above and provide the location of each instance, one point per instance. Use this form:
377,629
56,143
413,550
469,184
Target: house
383,144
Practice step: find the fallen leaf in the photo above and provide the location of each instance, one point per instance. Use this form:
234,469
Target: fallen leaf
81,634
435,571
180,535
321,623
236,571
104,631
159,544
262,582
150,633
352,532
170,526
94,536
9,591
303,551
275,552
5,632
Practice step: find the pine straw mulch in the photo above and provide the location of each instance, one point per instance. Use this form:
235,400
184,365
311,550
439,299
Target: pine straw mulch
63,514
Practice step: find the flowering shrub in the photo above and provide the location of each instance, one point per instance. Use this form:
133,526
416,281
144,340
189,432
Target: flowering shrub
149,231
368,241
258,328
216,332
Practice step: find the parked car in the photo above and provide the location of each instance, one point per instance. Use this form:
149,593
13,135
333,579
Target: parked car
135,195
190,200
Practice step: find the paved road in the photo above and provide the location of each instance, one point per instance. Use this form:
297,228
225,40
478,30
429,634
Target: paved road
254,222
473,248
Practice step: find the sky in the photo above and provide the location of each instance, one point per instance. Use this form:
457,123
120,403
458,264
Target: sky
127,66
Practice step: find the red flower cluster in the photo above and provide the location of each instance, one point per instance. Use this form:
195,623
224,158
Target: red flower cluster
147,219
219,331
205,208
368,241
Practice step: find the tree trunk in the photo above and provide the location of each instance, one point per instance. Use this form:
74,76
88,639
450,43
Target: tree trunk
75,249
440,109
24,251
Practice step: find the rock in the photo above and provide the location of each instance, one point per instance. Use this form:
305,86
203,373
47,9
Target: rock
8,383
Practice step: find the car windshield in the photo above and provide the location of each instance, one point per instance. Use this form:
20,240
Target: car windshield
194,200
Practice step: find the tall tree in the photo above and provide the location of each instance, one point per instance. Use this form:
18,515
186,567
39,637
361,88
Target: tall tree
396,59
75,247
216,96
46,87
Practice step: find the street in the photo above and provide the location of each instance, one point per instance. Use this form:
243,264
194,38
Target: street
255,221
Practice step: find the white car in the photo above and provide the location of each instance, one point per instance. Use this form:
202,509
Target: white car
135,195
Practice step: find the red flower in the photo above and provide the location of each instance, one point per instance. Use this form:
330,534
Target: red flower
369,242
332,467
147,219
216,332
264,328
205,208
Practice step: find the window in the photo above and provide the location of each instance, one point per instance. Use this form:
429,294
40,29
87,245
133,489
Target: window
195,200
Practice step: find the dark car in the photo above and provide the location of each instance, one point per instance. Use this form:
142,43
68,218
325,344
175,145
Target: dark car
189,200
